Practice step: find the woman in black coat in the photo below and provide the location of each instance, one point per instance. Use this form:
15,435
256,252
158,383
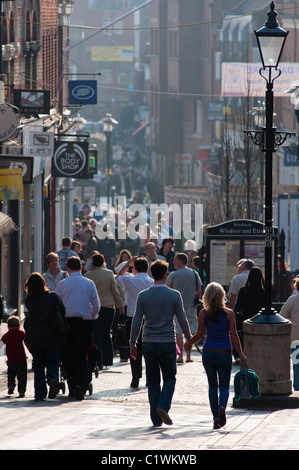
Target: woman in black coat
251,298
42,340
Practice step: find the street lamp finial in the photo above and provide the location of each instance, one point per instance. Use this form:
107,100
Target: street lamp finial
272,23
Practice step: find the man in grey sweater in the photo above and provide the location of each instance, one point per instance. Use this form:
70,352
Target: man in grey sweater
158,306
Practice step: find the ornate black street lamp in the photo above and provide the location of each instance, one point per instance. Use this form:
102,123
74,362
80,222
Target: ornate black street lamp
271,39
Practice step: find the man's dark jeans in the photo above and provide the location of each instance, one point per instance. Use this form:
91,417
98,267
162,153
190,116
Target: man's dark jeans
160,358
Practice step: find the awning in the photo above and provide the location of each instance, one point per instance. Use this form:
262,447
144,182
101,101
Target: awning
143,125
6,224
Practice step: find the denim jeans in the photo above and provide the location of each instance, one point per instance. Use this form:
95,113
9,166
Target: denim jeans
160,358
45,367
218,368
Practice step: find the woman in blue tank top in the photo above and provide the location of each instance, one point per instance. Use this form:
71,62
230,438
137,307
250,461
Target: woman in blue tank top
219,323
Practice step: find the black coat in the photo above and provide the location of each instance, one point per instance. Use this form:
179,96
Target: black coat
36,325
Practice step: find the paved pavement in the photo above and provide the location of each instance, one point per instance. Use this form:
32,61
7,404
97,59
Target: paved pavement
114,419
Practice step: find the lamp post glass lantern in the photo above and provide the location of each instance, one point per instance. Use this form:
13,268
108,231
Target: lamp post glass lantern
271,39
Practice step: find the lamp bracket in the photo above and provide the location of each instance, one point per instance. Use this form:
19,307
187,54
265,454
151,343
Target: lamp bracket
270,79
258,137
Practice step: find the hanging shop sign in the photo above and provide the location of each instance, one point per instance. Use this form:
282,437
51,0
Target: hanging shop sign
32,102
11,184
13,162
8,123
70,160
41,144
82,91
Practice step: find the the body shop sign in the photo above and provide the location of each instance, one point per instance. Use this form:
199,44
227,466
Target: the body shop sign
70,160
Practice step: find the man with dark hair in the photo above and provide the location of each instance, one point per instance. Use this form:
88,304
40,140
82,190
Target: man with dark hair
65,252
188,283
132,284
82,304
167,252
157,306
91,243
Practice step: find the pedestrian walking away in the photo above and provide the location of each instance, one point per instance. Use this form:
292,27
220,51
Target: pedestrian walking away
133,283
239,280
43,343
251,298
157,306
82,305
110,298
16,356
290,311
219,323
188,283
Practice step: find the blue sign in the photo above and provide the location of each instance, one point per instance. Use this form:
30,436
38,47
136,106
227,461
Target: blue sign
83,91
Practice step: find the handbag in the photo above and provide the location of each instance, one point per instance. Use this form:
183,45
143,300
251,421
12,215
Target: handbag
246,384
121,338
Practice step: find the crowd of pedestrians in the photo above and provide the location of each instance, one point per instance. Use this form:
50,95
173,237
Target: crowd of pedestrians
161,296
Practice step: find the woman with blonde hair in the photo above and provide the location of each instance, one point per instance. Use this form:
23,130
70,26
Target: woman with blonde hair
219,323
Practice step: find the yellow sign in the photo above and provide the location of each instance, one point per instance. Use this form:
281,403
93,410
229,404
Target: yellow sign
112,53
11,184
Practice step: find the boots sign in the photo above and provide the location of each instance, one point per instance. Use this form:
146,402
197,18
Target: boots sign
70,160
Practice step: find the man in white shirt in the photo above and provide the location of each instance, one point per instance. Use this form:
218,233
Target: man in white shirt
80,298
134,283
238,281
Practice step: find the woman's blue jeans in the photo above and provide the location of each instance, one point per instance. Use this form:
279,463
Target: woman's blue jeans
218,368
160,358
46,367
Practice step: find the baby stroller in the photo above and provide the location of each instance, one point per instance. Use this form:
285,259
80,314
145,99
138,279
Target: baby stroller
92,357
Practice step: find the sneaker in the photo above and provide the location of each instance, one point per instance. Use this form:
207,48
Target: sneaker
222,417
10,391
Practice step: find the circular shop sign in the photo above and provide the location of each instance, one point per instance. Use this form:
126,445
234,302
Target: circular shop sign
8,123
70,159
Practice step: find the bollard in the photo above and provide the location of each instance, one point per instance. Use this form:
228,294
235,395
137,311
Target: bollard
267,348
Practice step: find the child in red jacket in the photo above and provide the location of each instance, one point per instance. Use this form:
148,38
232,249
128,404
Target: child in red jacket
16,356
